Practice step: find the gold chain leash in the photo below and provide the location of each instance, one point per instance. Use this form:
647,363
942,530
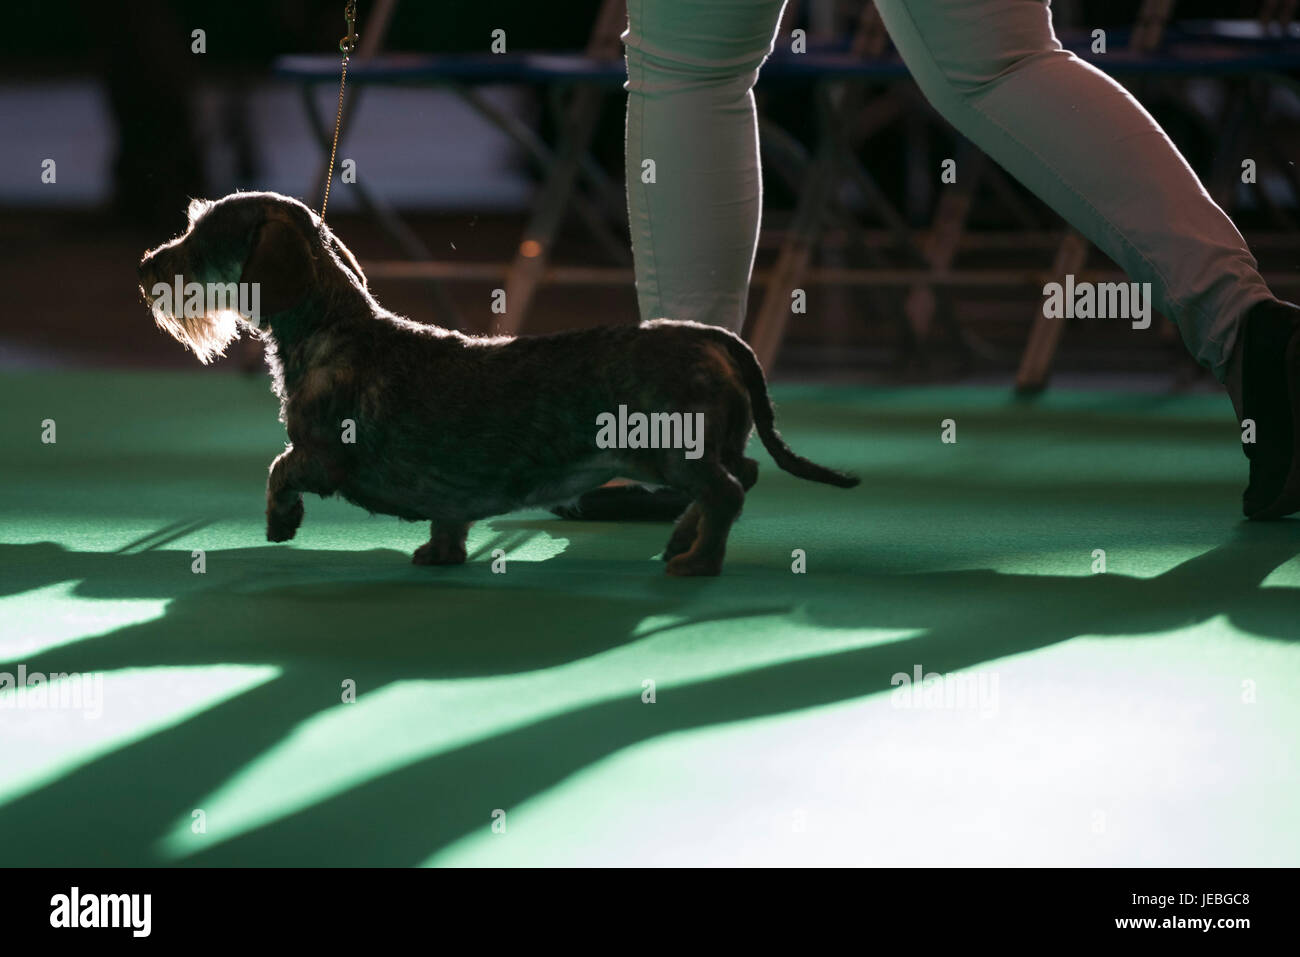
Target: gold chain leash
346,46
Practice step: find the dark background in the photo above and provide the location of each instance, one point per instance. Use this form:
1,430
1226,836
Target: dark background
68,266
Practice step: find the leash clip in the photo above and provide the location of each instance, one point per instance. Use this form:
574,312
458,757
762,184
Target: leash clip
349,42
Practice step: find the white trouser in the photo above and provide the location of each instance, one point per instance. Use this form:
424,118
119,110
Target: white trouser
996,71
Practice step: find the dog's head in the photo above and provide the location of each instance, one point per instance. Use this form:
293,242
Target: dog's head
244,260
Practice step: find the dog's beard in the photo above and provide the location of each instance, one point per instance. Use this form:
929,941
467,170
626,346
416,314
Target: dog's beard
206,336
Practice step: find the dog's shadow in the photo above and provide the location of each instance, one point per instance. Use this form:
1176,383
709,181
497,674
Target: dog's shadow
288,605
371,617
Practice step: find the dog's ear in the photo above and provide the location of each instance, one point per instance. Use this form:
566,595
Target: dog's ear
345,254
281,264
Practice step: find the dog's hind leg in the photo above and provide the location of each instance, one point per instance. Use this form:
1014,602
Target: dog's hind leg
446,545
293,472
747,472
684,533
687,527
719,497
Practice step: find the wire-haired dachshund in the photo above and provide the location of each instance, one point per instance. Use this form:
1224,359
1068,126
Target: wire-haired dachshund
428,424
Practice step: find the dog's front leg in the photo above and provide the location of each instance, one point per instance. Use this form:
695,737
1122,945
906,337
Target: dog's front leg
293,472
446,545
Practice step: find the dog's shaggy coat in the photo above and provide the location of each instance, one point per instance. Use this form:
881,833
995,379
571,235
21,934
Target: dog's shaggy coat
448,428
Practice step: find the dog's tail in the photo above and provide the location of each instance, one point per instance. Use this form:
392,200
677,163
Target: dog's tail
760,404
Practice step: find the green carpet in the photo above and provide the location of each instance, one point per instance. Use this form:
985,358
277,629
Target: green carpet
1145,715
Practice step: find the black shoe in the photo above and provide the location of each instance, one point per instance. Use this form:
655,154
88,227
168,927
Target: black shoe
626,503
1270,395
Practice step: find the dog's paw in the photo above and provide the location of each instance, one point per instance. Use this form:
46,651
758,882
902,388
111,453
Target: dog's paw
677,546
282,526
427,554
280,532
691,564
